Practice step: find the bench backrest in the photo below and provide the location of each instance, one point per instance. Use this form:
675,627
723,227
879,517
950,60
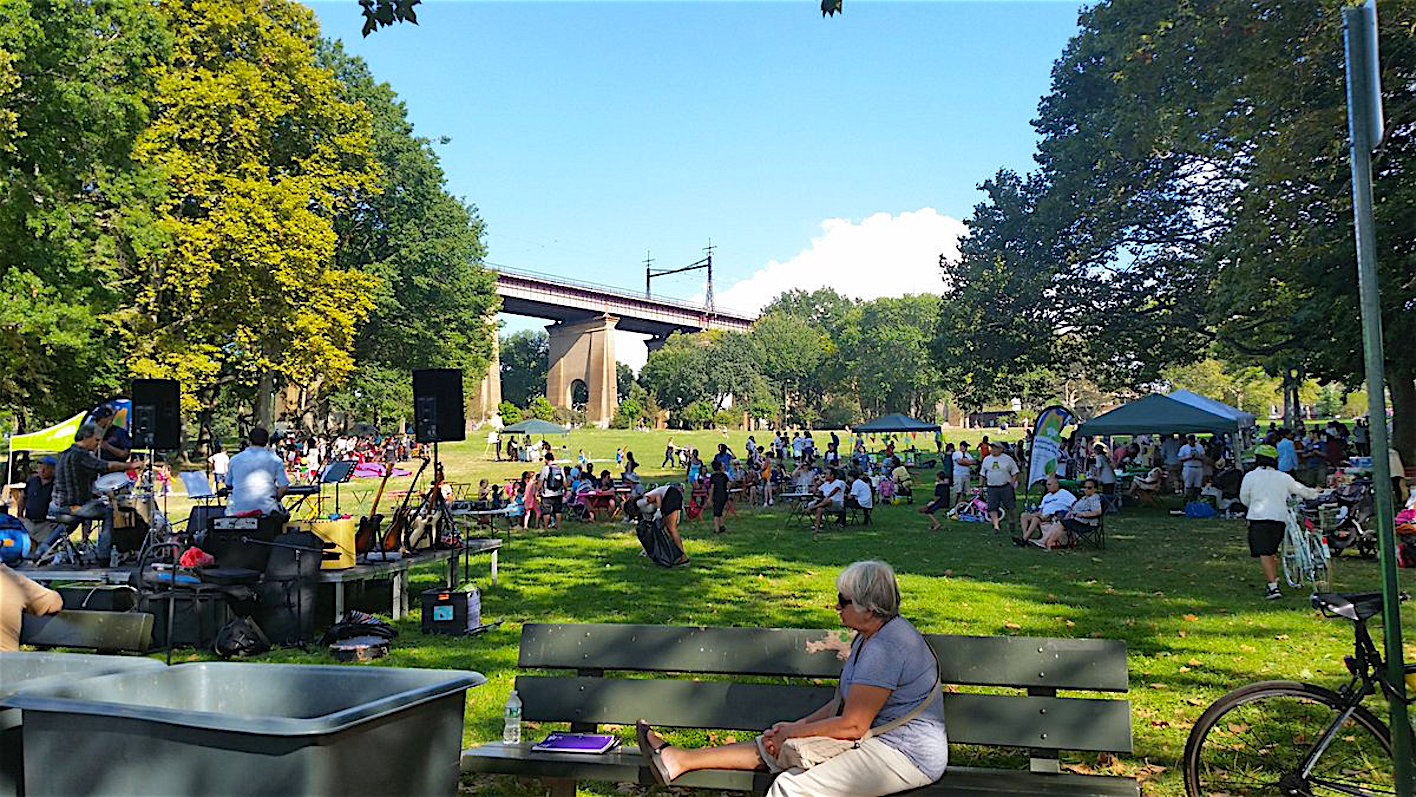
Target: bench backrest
1038,719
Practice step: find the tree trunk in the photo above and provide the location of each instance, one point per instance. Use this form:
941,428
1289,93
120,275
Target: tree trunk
1403,407
265,399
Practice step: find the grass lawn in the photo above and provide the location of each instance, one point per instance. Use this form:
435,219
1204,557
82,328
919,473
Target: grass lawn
1182,594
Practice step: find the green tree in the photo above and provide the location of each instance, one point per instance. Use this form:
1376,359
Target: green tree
1197,154
540,407
424,246
261,153
525,359
790,351
625,381
677,374
890,365
75,83
510,413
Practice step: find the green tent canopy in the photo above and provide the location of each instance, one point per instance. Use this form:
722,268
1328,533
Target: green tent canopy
56,438
534,426
895,422
1157,414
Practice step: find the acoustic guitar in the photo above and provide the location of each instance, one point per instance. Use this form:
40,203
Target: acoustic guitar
393,537
368,532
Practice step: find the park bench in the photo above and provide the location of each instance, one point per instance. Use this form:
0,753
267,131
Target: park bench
732,679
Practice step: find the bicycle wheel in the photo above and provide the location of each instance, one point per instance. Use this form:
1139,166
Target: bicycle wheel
1290,556
1253,741
1320,557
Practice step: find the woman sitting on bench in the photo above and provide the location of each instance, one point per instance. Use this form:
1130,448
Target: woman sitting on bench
882,733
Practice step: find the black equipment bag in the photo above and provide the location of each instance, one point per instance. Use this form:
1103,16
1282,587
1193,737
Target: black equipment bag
240,637
658,545
286,596
199,612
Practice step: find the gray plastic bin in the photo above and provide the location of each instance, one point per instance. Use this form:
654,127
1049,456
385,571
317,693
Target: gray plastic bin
36,670
242,728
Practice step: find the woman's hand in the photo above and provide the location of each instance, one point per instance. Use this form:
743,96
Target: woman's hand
776,735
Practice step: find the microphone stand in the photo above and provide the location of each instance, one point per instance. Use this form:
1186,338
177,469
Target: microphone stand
299,580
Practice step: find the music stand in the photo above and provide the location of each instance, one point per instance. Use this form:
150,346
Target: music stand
337,473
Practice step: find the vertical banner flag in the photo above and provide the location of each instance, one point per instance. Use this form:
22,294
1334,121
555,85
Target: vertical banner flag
1046,442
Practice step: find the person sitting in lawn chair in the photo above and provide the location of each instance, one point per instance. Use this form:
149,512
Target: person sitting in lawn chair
1145,488
1055,503
1083,516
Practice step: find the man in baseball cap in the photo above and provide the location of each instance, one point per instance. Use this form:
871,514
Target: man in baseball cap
39,490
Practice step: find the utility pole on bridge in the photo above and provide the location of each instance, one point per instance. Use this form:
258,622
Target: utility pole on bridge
705,263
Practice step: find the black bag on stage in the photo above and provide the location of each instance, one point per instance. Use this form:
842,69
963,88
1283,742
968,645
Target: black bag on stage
286,596
658,545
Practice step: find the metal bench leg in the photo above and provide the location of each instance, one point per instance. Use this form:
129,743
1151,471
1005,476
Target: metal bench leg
494,567
338,600
560,788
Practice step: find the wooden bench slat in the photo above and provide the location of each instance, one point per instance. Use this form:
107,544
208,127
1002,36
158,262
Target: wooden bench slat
1045,723
76,628
625,766
1076,664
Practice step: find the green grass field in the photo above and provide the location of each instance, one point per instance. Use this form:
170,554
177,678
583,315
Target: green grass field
1182,594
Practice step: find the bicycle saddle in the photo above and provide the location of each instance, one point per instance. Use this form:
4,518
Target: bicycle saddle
1357,606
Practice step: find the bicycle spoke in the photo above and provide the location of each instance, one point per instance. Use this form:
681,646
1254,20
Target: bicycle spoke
1259,742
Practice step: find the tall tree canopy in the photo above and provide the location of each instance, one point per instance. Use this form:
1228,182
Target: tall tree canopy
260,153
74,90
1193,192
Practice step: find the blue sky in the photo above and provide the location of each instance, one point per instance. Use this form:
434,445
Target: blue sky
839,151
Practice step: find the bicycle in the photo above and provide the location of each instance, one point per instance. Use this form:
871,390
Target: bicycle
1291,738
1303,553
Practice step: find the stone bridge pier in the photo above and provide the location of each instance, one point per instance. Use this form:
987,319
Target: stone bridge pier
584,351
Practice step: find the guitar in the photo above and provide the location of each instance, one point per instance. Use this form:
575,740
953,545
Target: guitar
368,532
423,532
394,535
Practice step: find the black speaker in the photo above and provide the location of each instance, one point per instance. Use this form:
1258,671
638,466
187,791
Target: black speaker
157,414
437,406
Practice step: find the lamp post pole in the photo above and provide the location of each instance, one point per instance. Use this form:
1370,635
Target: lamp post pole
1364,120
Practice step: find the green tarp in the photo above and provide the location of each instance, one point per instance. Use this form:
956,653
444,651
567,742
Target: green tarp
1157,414
895,422
535,426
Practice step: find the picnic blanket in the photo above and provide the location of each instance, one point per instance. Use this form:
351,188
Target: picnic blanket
375,470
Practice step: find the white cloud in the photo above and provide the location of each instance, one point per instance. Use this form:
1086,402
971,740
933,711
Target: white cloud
883,255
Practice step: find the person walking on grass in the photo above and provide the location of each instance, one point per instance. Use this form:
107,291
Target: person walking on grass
718,494
1265,491
943,491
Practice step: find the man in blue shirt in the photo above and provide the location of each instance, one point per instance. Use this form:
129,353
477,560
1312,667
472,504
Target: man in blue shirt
257,478
1287,454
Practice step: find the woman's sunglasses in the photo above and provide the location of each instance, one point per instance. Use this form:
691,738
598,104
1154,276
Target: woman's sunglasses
842,601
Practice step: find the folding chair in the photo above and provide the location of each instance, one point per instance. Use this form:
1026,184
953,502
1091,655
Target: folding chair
1094,537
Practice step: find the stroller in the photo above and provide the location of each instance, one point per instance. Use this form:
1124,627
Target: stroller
696,501
972,509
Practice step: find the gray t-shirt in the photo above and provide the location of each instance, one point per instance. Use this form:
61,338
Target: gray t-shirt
897,658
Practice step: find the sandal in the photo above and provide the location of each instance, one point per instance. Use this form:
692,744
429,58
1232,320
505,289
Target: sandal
651,755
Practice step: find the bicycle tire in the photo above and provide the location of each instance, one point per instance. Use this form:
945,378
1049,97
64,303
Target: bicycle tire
1252,741
1321,559
1288,557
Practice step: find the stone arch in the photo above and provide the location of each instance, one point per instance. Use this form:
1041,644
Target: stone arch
584,351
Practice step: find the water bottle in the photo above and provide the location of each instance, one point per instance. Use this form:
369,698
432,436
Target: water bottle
113,557
511,733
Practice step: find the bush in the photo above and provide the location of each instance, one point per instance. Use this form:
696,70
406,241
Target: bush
727,419
541,408
697,415
509,413
628,415
569,418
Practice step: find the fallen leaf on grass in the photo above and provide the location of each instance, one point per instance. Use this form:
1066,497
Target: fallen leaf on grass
1012,626
1195,663
1184,669
1281,637
1190,618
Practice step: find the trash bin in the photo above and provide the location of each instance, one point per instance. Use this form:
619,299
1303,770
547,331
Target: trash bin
249,729
30,670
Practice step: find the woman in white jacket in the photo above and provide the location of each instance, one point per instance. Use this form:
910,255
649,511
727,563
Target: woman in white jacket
1265,491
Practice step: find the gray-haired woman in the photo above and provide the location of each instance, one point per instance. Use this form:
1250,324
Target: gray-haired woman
889,711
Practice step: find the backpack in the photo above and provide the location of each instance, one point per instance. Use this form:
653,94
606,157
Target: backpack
14,540
240,637
556,479
1200,510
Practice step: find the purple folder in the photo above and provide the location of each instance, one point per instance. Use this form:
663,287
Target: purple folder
593,743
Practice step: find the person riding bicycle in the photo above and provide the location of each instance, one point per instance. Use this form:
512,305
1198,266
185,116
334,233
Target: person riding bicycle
1265,491
78,468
